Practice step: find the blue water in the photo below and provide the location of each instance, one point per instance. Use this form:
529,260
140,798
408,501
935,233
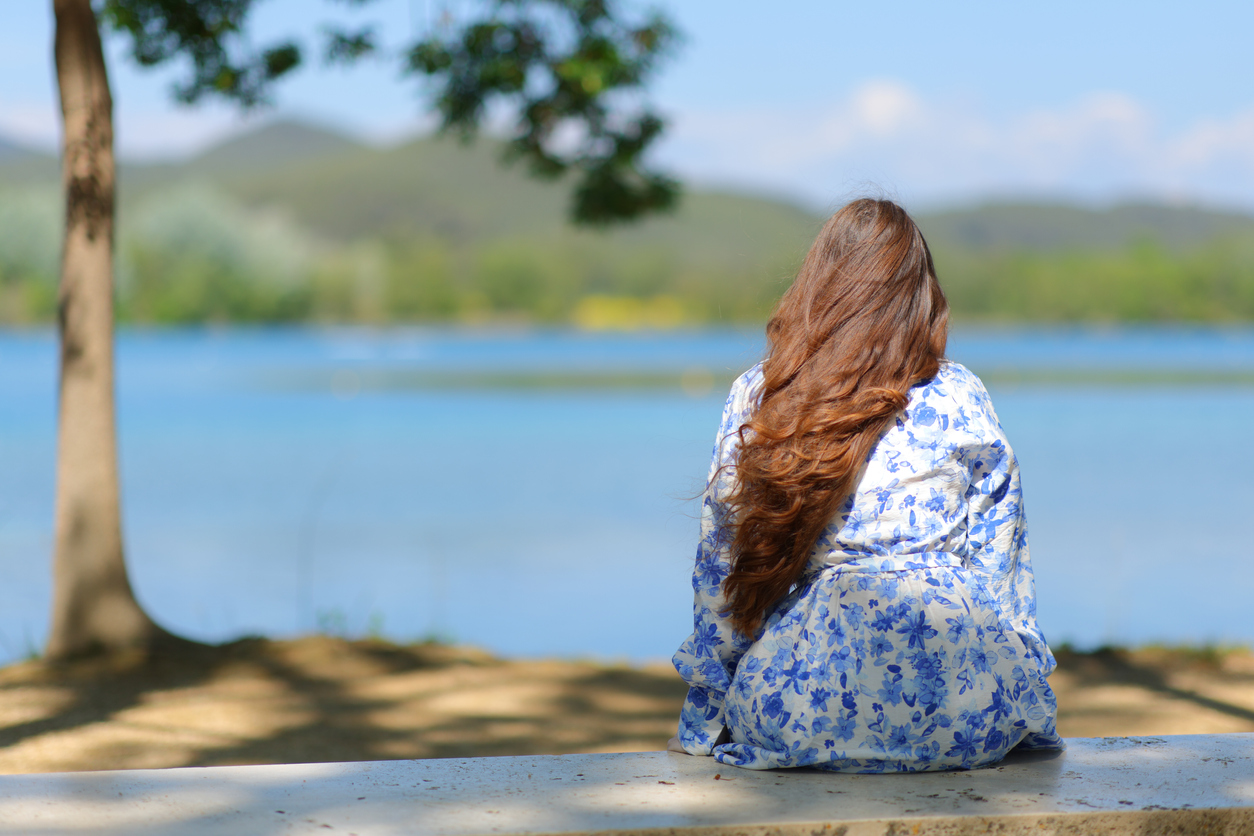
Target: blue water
267,491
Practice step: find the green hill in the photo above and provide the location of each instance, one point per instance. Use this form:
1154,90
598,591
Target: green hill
293,221
463,195
277,145
1002,227
274,145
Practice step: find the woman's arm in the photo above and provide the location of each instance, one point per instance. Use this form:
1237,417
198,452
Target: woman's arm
997,534
707,660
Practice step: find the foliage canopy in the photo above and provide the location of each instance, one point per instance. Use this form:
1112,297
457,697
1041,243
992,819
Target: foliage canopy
569,68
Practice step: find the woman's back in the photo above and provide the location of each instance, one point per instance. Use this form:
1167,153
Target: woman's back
911,642
906,501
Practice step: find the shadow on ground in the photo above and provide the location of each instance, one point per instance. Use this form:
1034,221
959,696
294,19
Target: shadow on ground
324,699
1149,691
327,699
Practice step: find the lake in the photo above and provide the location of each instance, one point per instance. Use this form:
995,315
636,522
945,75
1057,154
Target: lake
513,489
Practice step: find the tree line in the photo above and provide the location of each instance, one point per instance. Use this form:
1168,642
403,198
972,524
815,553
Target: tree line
189,256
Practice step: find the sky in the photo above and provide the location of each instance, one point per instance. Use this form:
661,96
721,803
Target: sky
817,100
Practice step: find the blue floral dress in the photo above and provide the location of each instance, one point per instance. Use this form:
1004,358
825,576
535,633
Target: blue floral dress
911,641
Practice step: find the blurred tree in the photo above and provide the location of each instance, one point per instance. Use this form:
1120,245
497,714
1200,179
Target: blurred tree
563,66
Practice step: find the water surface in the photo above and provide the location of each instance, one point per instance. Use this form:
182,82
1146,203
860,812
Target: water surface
531,492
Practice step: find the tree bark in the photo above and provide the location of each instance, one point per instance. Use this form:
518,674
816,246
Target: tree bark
93,607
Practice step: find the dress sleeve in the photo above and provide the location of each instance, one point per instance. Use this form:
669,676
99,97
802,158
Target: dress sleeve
997,533
707,659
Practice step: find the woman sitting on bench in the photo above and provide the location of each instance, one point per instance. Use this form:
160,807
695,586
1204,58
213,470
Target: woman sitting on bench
864,596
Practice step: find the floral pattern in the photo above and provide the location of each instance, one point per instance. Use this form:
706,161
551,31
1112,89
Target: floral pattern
911,641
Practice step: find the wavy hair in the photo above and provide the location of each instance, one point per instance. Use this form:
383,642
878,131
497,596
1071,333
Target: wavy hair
864,321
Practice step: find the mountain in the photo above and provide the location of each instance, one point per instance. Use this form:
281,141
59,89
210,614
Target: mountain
344,190
276,145
1046,227
464,194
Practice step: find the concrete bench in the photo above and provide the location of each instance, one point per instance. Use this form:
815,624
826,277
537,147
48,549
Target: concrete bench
1137,785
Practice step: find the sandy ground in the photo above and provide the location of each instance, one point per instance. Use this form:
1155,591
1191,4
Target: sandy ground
326,699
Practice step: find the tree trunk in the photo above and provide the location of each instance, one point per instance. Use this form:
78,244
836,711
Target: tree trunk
93,607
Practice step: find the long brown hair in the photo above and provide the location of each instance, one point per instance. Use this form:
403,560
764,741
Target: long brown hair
864,321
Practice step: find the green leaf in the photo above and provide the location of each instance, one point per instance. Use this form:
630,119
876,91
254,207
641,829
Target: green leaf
559,64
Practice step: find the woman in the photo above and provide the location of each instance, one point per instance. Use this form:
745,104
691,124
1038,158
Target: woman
864,597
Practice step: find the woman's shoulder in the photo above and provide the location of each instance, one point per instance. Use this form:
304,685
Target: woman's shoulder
742,399
954,382
751,379
955,398
960,376
747,389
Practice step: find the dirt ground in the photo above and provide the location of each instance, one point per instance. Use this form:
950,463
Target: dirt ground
326,699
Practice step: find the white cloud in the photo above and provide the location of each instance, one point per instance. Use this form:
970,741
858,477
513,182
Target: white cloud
885,108
1212,140
1105,145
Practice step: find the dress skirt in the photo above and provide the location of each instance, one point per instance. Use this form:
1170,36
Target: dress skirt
887,664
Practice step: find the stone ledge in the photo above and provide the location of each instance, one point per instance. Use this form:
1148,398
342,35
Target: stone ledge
1136,785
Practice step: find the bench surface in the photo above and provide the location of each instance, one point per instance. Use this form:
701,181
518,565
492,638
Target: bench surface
1198,783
